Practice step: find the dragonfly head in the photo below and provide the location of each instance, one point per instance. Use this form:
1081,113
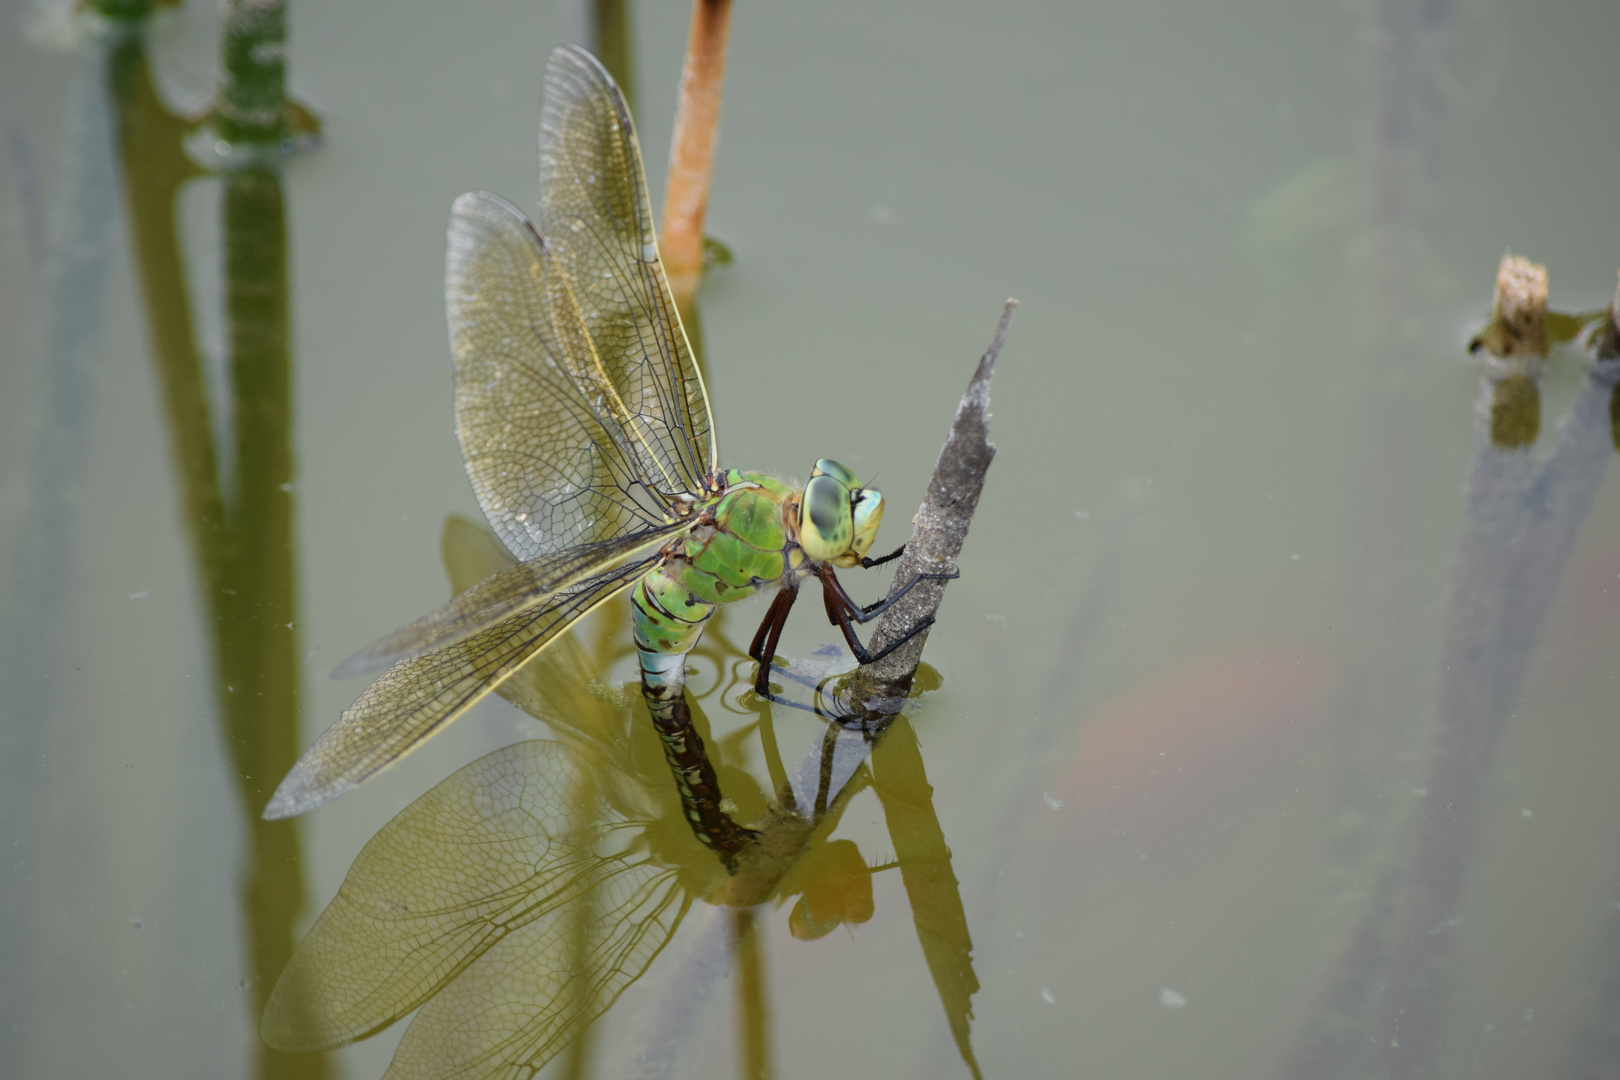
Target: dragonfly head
838,518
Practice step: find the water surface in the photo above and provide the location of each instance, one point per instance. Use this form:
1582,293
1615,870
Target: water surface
1194,661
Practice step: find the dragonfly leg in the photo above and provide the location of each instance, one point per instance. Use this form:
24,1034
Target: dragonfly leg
867,562
909,634
830,583
770,632
842,611
765,626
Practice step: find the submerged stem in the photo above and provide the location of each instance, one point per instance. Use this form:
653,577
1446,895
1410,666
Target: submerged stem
937,535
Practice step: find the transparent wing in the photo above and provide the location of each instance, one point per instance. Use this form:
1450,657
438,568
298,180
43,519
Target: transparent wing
511,898
503,595
558,688
523,1001
416,697
470,552
593,200
581,413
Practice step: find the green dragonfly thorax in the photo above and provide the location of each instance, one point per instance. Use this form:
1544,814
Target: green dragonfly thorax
759,530
757,533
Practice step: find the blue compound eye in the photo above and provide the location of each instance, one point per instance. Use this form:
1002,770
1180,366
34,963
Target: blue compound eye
826,520
841,473
868,515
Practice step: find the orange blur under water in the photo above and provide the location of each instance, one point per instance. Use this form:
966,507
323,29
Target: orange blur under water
1173,759
1587,619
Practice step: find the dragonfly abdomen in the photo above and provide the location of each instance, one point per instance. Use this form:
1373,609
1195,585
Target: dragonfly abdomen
738,547
667,616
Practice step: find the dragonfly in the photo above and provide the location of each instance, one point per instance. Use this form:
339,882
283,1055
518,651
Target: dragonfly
584,423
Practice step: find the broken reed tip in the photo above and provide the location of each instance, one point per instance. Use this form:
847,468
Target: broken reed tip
1518,325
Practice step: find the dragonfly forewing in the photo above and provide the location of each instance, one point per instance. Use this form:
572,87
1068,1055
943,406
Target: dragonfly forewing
581,412
595,209
501,596
414,698
549,465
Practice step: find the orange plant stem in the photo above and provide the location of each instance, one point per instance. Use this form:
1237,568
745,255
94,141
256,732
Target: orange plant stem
691,155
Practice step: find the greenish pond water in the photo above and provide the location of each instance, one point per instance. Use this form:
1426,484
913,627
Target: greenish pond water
1247,593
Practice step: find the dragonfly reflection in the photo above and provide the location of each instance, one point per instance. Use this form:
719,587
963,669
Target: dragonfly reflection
515,901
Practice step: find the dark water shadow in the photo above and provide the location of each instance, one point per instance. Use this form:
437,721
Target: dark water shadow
1383,1007
235,496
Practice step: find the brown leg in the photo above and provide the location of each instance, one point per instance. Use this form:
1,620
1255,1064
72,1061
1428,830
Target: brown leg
770,632
830,583
844,614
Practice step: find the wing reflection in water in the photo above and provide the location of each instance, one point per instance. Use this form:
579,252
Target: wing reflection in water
515,899
518,899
